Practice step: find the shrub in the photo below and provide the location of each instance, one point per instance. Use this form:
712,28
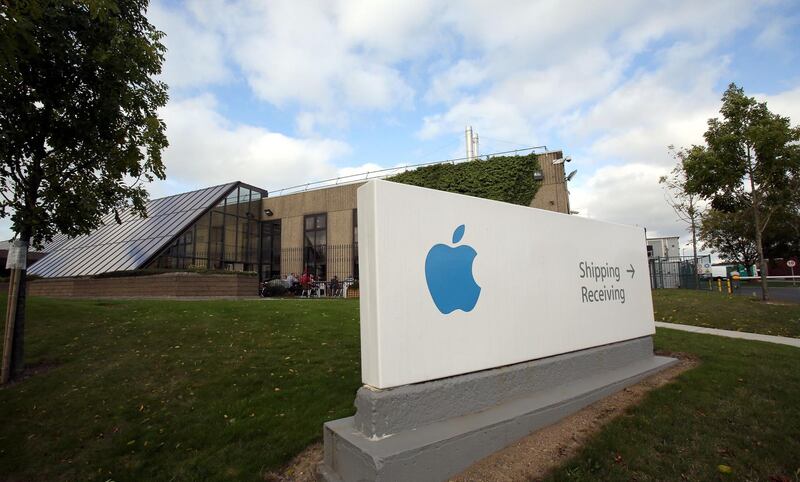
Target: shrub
503,178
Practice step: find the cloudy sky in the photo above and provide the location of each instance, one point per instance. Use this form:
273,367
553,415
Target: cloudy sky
276,93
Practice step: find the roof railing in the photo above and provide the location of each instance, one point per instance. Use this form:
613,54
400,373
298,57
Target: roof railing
390,171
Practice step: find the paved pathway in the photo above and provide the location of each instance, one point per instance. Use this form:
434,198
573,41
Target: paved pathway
783,340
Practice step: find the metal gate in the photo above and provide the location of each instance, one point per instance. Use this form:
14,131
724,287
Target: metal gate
678,272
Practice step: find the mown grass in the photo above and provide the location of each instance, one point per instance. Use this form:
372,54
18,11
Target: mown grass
716,310
176,390
227,390
734,417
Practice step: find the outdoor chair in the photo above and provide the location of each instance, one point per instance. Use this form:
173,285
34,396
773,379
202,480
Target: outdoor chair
345,286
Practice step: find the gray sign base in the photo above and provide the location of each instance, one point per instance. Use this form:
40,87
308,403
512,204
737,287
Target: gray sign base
433,430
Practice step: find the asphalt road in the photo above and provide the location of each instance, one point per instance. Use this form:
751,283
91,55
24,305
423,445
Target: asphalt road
777,294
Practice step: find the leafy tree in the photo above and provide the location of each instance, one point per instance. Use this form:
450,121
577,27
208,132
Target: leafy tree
687,205
782,237
730,234
751,161
79,131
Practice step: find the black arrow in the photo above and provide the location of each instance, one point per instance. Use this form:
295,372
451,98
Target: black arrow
631,271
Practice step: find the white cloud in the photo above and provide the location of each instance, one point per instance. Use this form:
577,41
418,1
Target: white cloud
637,120
195,55
615,80
627,194
542,61
521,104
296,52
207,149
628,133
448,85
490,115
391,30
775,34
514,68
307,123
786,103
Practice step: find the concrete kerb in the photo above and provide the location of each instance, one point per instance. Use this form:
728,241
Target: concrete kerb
781,340
433,430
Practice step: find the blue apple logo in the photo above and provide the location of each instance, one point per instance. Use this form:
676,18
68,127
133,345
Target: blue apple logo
448,272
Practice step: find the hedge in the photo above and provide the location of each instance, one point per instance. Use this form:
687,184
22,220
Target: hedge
503,178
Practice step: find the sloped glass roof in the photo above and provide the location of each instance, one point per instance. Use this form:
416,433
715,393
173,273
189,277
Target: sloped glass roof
130,245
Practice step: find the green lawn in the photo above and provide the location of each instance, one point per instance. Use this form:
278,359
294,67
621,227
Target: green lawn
227,390
176,390
738,409
716,310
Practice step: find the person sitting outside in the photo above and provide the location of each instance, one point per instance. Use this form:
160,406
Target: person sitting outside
293,284
336,287
296,288
306,282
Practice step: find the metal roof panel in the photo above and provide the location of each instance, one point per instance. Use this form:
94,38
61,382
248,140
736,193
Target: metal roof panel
127,246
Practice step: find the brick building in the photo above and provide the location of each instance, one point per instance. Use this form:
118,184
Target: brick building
238,227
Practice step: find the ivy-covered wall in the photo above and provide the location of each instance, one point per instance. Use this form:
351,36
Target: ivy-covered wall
506,178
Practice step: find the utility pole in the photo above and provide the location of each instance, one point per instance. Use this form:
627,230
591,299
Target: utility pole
17,263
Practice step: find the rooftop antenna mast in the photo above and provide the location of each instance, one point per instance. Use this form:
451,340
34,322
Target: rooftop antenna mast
471,139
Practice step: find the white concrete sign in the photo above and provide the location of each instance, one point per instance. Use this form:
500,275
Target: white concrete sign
452,284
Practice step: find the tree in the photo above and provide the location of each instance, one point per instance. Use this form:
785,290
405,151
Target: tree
750,161
79,130
687,205
730,234
782,237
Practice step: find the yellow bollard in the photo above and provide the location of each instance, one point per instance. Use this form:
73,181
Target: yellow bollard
730,292
719,285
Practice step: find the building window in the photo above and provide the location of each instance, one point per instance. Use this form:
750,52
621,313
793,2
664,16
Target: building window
649,251
217,230
201,242
315,243
270,250
225,238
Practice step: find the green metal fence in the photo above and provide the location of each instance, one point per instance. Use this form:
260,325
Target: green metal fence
679,272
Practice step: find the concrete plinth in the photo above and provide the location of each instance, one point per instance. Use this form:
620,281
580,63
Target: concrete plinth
433,430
